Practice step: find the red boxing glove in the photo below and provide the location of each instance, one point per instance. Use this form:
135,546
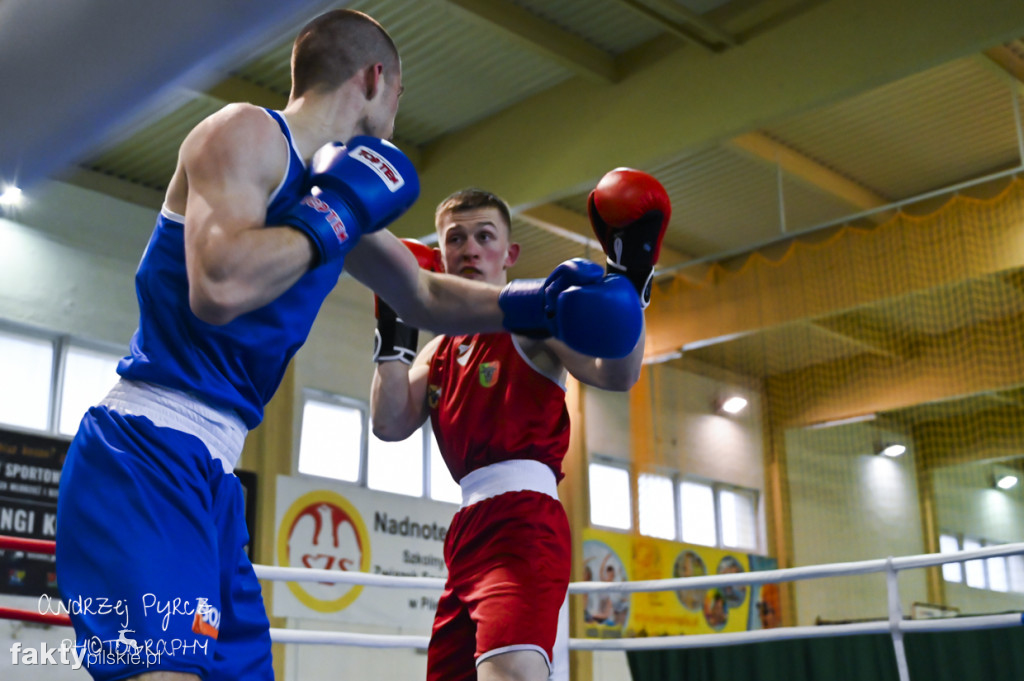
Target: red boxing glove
394,340
629,211
428,258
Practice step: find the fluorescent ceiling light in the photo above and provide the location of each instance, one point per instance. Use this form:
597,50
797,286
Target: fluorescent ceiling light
1006,481
734,405
11,196
892,451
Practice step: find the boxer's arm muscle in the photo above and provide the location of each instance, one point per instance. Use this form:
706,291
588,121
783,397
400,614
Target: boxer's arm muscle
608,374
438,302
232,161
398,396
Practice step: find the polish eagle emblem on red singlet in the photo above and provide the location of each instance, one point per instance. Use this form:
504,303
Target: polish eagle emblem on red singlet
489,373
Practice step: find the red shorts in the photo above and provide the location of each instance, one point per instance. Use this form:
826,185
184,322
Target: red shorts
508,561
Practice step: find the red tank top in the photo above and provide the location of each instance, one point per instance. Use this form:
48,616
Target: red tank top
489,404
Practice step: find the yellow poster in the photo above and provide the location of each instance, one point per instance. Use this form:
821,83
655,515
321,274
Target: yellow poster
614,557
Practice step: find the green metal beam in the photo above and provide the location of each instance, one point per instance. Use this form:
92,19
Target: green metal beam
541,36
553,144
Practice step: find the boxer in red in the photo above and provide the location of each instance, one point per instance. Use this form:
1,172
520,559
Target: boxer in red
497,405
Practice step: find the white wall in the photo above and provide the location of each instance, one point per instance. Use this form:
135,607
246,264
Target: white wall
849,504
688,435
47,284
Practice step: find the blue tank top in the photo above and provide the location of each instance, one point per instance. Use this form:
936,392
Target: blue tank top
238,365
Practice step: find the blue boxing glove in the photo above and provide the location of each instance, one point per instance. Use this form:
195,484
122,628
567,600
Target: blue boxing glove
355,189
574,305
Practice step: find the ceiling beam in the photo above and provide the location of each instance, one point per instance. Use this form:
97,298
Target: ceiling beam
562,222
541,37
768,150
235,89
115,187
570,135
1008,60
574,227
720,38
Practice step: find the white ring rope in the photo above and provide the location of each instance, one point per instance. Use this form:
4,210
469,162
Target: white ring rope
979,622
894,624
787,633
340,638
275,573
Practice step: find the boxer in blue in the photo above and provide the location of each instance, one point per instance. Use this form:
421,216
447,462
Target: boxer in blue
263,211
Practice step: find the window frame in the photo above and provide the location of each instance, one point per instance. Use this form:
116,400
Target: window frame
424,460
60,344
717,487
334,399
426,435
631,486
64,347
960,537
673,478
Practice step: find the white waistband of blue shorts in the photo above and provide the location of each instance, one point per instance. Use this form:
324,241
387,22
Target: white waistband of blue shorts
222,431
517,475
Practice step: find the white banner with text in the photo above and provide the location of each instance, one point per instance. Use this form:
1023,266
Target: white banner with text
341,527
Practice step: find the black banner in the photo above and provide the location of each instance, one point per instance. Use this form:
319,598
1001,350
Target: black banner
249,480
30,468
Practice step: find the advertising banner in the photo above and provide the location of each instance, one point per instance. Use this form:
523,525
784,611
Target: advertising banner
614,557
30,468
342,527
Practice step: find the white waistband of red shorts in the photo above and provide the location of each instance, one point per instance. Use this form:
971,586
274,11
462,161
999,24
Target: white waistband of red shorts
221,430
517,475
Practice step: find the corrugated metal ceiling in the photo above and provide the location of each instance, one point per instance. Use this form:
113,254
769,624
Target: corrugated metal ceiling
946,125
934,129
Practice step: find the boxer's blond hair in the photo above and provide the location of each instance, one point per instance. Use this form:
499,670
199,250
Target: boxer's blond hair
470,199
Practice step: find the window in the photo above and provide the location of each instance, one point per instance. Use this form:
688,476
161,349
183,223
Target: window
999,573
336,442
974,569
48,381
396,466
675,508
657,506
998,578
697,513
738,518
610,499
88,376
951,572
331,440
1015,572
26,377
442,486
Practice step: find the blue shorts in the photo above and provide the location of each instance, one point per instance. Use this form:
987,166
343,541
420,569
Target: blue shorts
151,560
